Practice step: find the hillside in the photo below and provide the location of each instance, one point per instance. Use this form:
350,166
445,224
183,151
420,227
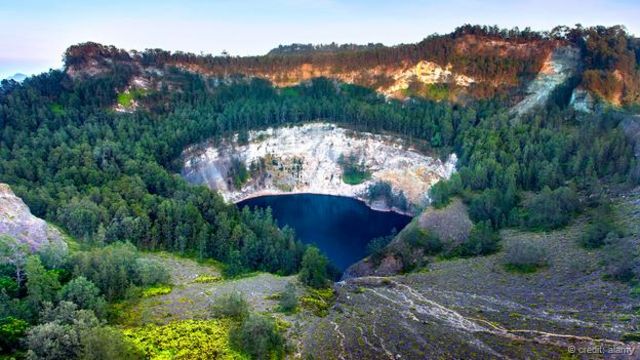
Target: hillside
516,152
473,61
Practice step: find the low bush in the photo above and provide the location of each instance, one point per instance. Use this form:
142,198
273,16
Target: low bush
150,272
206,279
232,305
601,226
376,247
524,256
259,337
620,257
483,240
318,301
156,290
83,293
288,299
550,209
423,239
11,332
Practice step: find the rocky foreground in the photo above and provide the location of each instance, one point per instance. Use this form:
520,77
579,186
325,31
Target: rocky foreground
476,309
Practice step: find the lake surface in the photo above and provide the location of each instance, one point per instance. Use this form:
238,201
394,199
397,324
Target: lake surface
340,226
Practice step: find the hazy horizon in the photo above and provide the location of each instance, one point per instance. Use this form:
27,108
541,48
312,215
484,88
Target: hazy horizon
37,32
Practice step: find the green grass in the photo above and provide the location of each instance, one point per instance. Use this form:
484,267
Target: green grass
57,109
156,290
188,339
318,301
127,97
353,176
206,279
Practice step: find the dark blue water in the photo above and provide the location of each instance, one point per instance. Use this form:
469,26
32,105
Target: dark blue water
340,226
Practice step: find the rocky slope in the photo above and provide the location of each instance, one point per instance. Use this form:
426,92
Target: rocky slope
306,159
558,67
475,308
17,222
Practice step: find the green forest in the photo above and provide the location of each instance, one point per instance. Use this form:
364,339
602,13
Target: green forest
110,179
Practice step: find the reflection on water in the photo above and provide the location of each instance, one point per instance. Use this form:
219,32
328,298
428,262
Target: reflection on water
340,226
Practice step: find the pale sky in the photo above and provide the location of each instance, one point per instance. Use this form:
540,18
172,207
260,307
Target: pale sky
35,33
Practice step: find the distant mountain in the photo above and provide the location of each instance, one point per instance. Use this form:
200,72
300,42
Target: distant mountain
576,65
19,77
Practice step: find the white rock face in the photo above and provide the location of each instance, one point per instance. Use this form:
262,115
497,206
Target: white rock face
558,67
304,159
582,100
426,72
17,221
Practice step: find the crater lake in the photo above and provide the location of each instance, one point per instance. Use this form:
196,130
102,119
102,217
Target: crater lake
339,226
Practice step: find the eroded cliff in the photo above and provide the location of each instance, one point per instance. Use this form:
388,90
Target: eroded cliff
307,159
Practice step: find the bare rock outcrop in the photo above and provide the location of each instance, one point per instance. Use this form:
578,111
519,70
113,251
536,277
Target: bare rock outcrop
17,222
306,159
559,66
450,224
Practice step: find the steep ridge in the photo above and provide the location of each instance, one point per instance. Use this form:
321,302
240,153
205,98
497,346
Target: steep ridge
473,62
461,63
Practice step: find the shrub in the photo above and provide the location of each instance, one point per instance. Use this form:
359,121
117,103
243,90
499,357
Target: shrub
620,259
113,269
53,341
206,279
67,313
150,272
106,343
42,284
550,209
628,337
60,334
232,305
597,231
238,173
156,290
54,254
382,190
83,293
258,336
314,268
376,247
524,256
482,240
318,301
423,239
354,172
288,298
11,332
117,267
9,285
